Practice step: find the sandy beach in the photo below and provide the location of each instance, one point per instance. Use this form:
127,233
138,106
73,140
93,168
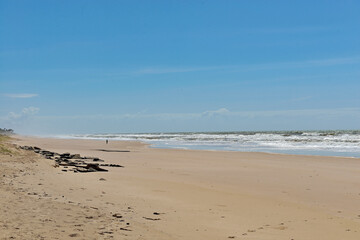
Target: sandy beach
176,194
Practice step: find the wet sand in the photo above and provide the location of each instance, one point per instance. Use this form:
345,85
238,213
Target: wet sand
177,194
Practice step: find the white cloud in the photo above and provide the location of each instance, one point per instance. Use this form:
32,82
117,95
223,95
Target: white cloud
19,120
221,111
30,111
164,70
254,67
300,112
215,120
25,113
21,95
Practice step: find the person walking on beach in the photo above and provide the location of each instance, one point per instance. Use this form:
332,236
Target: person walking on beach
107,141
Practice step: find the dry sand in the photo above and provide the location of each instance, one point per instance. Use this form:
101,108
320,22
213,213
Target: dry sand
195,194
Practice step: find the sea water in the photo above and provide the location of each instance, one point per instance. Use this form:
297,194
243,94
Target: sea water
325,143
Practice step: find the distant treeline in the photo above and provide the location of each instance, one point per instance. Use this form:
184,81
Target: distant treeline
5,131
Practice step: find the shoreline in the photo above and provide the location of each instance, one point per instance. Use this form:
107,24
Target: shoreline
151,146
194,194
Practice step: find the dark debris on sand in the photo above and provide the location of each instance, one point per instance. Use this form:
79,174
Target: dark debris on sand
79,164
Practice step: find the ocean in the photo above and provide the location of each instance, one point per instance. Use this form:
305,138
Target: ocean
325,143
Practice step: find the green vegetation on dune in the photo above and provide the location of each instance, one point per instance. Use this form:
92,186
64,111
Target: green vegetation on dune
3,138
4,149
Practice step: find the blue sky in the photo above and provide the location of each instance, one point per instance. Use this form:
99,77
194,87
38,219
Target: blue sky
160,66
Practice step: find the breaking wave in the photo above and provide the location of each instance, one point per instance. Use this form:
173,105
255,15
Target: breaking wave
328,143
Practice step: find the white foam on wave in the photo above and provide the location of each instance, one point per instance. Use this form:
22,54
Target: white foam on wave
330,143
